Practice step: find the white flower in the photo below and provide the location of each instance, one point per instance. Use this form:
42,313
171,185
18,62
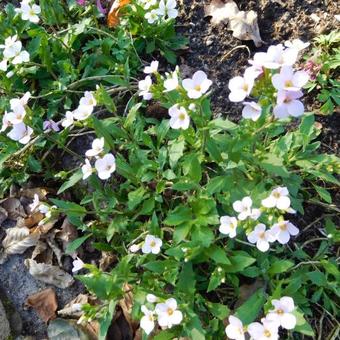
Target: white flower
228,226
10,74
86,169
146,4
82,112
144,88
192,107
4,65
105,166
278,198
152,245
168,315
78,264
282,231
134,248
21,57
255,214
197,86
283,312
241,87
12,47
21,133
147,322
5,122
235,328
267,330
88,99
68,120
50,124
167,8
289,80
171,83
34,205
152,68
43,208
29,12
151,16
297,44
261,237
151,298
97,147
20,102
288,105
278,56
179,117
251,111
243,208
17,116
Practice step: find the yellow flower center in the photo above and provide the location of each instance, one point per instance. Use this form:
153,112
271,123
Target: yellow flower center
262,235
181,116
283,227
276,195
152,244
288,83
280,311
198,88
245,87
170,311
267,333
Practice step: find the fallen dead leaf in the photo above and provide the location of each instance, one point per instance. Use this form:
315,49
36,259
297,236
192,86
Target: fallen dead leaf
42,253
45,303
49,274
60,329
30,192
57,252
106,260
126,305
67,234
3,215
13,207
30,221
114,12
72,309
17,240
243,24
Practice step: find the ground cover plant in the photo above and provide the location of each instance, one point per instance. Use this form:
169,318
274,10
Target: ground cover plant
191,218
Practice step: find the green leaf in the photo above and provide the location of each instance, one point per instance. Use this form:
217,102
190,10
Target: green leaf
102,130
202,235
302,326
218,255
250,310
218,310
274,165
179,215
280,266
323,193
69,208
181,232
75,178
223,124
135,198
239,262
186,280
176,151
74,245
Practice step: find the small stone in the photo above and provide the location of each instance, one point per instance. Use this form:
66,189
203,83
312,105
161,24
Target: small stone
5,331
208,42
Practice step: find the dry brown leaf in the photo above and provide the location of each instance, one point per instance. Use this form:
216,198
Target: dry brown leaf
30,221
49,274
44,228
13,207
243,24
18,240
53,245
106,260
114,12
3,215
42,253
67,234
30,192
72,308
126,305
45,303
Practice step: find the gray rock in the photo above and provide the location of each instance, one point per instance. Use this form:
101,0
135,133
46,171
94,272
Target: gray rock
5,331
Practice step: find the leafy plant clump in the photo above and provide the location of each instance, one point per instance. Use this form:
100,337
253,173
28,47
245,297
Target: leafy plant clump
196,217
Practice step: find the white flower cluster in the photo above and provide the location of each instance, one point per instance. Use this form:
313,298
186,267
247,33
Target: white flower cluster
105,164
194,87
159,11
165,313
152,244
43,208
261,236
28,11
268,329
15,118
287,82
82,112
13,54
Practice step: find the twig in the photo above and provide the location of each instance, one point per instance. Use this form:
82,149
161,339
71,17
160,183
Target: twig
225,56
